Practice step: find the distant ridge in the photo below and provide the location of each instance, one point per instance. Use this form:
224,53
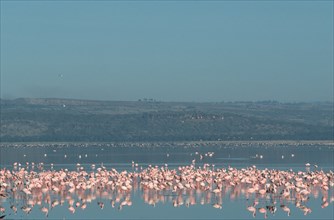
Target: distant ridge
54,119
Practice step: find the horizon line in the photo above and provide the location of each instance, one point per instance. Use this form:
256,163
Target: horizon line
152,100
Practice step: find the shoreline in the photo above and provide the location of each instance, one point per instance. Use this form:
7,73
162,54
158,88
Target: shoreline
244,142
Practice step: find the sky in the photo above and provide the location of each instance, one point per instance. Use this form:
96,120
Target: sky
201,51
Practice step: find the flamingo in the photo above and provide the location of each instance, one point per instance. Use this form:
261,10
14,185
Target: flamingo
252,209
71,209
286,209
263,211
45,211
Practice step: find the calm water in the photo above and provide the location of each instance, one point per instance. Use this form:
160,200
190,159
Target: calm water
153,205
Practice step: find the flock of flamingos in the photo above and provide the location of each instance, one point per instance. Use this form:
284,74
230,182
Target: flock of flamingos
34,186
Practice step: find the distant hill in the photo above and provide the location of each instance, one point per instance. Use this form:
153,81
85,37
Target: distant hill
85,120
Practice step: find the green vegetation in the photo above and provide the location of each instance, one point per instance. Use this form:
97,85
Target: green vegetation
80,120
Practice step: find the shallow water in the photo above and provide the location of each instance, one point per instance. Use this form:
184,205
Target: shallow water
160,205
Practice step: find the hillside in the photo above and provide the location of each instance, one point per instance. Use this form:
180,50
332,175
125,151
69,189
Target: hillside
82,120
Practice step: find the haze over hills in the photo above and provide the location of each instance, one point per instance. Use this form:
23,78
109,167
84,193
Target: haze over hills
148,120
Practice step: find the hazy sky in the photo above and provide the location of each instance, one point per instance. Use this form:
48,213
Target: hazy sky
169,51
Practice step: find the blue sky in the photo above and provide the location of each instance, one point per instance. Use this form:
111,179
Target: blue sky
169,51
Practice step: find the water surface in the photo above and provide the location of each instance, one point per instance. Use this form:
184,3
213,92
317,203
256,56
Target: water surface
157,205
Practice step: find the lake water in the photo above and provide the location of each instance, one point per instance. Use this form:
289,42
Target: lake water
231,203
